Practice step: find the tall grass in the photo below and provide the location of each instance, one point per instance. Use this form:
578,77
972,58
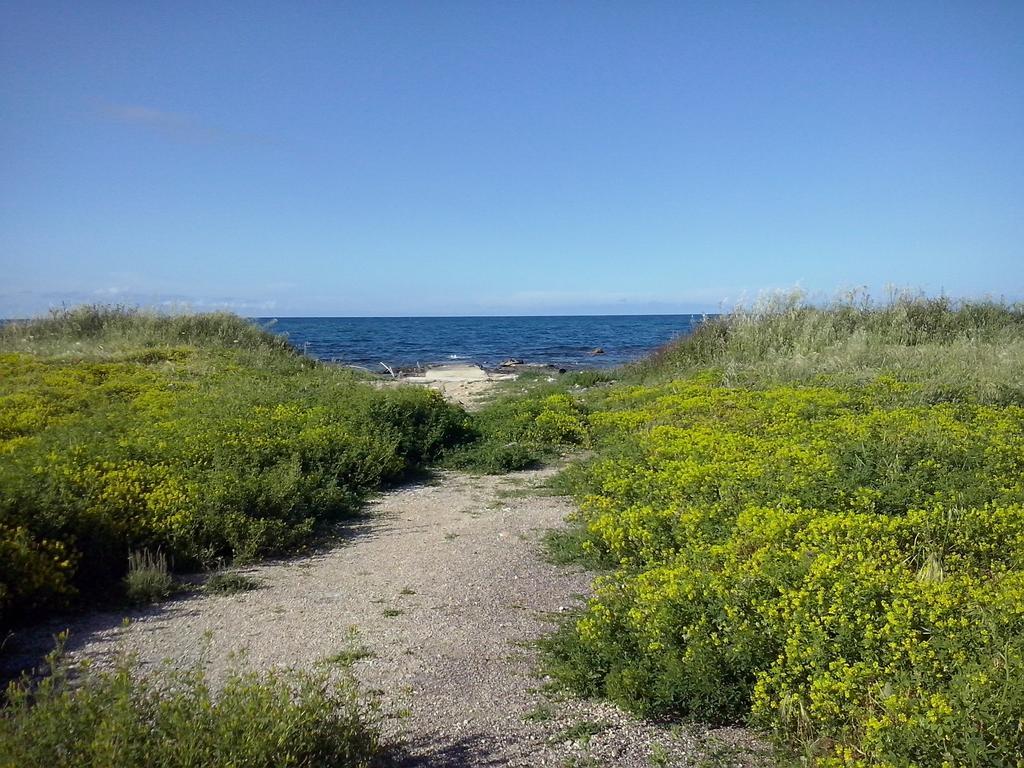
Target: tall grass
102,331
149,578
956,349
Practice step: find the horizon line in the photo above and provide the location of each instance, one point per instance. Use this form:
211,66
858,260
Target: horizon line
476,317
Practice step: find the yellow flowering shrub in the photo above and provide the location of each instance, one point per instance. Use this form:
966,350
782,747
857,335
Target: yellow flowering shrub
33,572
202,451
845,567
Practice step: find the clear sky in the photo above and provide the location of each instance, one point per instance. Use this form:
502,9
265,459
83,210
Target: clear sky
386,158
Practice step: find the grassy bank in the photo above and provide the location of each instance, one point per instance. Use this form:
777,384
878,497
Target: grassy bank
949,351
200,436
816,517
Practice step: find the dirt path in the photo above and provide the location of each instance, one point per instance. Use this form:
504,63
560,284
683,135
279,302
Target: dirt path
444,586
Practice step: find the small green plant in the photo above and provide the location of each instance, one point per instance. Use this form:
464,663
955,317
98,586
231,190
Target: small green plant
349,656
390,613
582,732
148,579
588,378
519,432
575,545
228,583
169,719
407,591
659,756
539,714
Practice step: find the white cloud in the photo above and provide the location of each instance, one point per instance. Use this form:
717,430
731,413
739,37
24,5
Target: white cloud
174,126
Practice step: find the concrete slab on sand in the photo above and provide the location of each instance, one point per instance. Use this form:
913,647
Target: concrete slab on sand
461,372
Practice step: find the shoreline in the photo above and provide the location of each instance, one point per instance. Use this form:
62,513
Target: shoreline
466,384
420,369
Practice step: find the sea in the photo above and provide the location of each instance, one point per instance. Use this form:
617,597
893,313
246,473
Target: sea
407,342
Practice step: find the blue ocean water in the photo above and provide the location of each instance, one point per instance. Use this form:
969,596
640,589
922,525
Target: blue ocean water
409,341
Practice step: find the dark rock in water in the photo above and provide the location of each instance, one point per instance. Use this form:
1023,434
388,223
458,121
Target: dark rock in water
561,370
510,362
597,351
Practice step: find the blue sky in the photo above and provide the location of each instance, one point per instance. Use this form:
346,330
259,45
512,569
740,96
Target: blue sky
387,158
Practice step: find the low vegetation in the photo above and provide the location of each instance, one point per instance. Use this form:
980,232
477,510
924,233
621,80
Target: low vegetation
200,436
842,567
148,578
172,719
952,351
816,517
516,432
226,583
809,519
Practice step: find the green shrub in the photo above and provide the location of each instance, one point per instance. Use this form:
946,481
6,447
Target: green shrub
495,458
516,432
148,579
171,718
202,436
35,573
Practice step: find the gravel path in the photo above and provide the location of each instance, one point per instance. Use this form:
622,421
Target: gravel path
443,586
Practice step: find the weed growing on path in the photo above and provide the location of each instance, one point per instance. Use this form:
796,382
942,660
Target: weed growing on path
226,583
148,579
